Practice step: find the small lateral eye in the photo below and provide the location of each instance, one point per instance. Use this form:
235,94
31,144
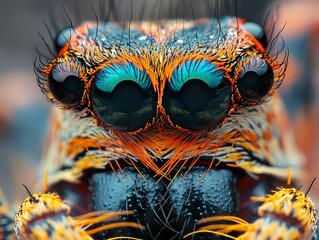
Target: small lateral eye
65,84
257,32
255,80
63,37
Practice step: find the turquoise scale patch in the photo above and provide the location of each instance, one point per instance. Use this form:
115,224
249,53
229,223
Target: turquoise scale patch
196,69
107,78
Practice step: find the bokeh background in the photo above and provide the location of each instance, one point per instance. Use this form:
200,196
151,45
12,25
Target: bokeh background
24,110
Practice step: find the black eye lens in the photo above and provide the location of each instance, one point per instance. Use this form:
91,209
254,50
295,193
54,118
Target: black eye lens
197,103
123,104
128,96
194,95
66,86
256,80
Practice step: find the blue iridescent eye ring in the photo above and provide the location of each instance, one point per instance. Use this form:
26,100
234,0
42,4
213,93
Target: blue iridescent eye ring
109,77
122,97
197,95
195,69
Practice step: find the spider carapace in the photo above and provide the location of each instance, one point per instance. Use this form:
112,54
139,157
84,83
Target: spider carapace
173,121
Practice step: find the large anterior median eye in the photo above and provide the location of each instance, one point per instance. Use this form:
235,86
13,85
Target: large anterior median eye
255,79
197,96
123,98
65,84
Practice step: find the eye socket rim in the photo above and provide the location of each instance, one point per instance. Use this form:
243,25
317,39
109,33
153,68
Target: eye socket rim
243,67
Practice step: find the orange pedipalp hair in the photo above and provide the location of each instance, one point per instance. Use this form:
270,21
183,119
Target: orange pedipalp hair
288,177
45,182
285,203
55,215
114,225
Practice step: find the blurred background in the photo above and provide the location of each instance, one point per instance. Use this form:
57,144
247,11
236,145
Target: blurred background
24,110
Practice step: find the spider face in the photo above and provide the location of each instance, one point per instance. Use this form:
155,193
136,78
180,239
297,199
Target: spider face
123,75
163,120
